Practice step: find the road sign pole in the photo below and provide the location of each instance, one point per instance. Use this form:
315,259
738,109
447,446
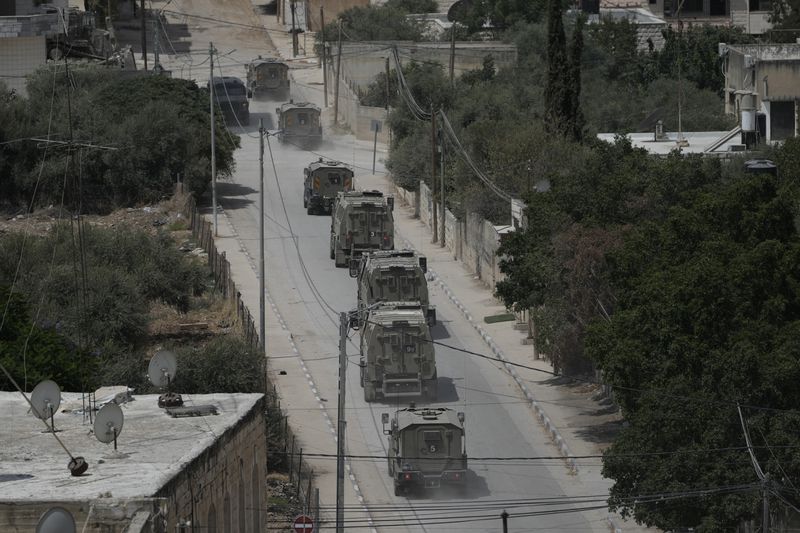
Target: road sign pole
303,524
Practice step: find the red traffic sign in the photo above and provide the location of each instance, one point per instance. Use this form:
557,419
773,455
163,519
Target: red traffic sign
303,524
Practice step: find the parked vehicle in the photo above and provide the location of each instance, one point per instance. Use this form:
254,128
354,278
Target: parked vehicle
397,354
231,95
268,77
361,221
393,276
299,123
427,448
322,181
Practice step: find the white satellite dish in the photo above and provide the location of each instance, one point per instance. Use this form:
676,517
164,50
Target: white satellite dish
108,423
161,372
162,368
45,400
56,520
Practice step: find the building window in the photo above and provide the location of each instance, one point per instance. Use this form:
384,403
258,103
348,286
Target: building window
781,117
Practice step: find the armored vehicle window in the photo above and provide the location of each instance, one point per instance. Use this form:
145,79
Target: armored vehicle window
302,118
229,89
433,441
334,179
273,73
376,219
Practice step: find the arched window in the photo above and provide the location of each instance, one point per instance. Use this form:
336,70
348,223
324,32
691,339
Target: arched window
256,501
227,525
211,525
240,503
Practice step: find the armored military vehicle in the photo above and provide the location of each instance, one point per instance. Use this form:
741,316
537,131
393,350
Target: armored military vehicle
299,123
231,95
361,221
268,77
322,180
427,448
393,276
397,354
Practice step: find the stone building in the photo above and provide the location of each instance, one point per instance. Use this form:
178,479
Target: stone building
762,88
203,473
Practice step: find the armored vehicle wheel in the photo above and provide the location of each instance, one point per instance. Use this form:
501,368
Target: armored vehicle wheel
333,255
309,210
305,202
342,263
398,491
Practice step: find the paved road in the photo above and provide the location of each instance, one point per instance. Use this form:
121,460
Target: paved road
309,291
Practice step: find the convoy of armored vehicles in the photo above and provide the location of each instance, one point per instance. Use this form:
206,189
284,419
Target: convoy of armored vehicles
361,222
427,448
322,181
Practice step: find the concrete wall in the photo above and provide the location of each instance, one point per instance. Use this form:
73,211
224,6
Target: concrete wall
226,484
307,14
473,241
356,116
20,56
97,516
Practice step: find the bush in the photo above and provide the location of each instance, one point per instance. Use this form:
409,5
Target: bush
226,364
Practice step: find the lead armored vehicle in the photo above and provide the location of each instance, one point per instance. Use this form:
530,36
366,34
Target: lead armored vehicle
361,221
322,181
393,276
299,123
427,448
397,353
231,95
268,77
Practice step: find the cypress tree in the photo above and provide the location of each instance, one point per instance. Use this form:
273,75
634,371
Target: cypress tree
557,94
576,120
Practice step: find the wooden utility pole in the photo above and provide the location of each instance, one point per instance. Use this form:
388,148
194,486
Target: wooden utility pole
338,74
211,52
388,81
452,52
324,55
433,173
341,423
442,189
144,36
294,31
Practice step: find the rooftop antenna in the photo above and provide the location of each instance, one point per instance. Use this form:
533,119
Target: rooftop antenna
45,400
108,424
161,372
56,520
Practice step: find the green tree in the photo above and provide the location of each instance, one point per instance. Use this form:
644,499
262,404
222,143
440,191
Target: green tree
785,20
576,121
557,93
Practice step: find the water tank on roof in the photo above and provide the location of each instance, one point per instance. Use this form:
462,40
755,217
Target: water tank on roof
760,166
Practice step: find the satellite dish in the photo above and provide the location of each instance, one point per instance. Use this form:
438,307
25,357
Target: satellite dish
161,370
56,520
108,424
45,400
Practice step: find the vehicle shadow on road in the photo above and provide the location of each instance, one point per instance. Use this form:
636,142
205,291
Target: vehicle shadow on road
439,331
475,487
232,195
447,390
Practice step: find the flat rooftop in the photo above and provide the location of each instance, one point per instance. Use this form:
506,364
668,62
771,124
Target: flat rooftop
698,142
769,52
152,448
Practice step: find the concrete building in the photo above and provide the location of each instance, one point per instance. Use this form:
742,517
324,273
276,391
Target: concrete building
762,88
202,473
751,15
25,26
306,12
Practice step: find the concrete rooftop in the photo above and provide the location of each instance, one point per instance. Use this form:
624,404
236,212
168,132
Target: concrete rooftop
152,447
698,142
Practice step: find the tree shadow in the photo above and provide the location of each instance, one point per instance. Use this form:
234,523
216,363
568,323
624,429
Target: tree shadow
604,433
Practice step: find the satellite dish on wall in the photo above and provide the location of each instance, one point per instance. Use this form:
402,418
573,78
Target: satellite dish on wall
45,400
108,424
56,520
161,371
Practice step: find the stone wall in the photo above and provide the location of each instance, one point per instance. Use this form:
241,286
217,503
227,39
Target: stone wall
224,488
473,241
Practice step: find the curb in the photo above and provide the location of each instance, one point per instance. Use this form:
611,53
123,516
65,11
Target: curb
550,428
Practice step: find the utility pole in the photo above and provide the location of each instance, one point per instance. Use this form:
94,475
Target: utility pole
762,476
433,174
156,45
324,55
144,36
452,53
441,186
211,52
262,307
341,423
504,517
388,81
294,30
338,73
